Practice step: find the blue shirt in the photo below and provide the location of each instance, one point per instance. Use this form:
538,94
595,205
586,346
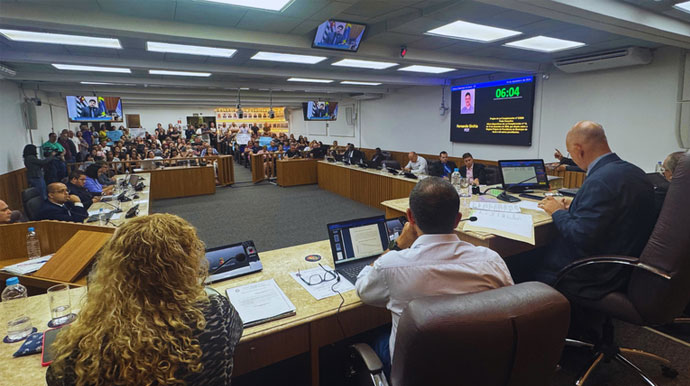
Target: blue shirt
93,186
595,161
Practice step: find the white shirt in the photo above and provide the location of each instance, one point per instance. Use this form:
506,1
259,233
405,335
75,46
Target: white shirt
433,265
417,167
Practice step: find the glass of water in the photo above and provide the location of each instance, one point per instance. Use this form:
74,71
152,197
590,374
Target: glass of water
60,305
464,184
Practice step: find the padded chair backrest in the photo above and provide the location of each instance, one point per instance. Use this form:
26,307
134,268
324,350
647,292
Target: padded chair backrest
668,249
33,208
508,336
28,194
391,163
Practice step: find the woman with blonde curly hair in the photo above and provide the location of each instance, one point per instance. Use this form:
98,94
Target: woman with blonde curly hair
148,319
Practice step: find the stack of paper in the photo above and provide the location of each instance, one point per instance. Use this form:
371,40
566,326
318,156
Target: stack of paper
495,206
260,302
26,267
516,226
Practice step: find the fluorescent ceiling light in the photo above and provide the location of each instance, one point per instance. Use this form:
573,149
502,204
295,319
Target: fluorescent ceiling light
544,44
429,69
360,83
289,58
107,84
474,32
364,64
179,73
76,67
190,50
684,6
271,5
51,38
310,80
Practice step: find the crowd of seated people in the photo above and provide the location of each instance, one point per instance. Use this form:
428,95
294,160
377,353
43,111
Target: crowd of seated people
277,146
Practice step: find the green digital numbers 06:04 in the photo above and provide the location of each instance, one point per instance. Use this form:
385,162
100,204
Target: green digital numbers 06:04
509,92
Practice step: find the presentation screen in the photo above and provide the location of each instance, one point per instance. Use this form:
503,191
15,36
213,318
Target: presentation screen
339,35
496,113
320,111
94,108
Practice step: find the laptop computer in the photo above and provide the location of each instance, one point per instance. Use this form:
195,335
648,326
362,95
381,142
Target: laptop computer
356,243
521,175
232,260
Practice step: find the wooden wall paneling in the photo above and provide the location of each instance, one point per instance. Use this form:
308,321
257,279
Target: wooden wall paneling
296,172
257,165
334,178
11,186
182,181
370,189
401,188
226,170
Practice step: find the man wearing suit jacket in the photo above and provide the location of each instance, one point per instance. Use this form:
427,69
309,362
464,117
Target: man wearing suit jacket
352,156
62,206
447,166
477,173
612,214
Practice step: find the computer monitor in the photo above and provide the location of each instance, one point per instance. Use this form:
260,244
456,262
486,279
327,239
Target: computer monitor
133,179
358,239
521,175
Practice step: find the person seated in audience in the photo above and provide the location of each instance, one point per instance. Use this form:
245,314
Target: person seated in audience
377,158
447,166
473,171
565,163
427,259
208,150
352,156
316,150
612,214
75,186
293,152
416,165
268,161
336,151
160,325
104,174
92,184
9,216
62,206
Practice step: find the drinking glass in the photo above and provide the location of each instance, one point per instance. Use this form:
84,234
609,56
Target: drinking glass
60,305
464,184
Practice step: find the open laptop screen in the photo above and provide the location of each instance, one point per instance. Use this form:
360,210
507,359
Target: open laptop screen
358,239
518,175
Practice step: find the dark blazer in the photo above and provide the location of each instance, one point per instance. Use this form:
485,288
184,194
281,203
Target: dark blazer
353,157
570,165
477,172
376,159
67,212
84,195
451,165
613,213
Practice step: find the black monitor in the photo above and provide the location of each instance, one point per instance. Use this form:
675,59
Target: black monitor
521,175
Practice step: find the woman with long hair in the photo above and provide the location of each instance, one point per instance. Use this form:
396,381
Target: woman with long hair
147,319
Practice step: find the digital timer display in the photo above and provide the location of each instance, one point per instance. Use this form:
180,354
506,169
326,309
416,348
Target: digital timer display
497,112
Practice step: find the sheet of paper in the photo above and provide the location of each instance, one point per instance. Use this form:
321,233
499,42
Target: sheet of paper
366,240
325,289
259,301
495,206
116,216
515,226
26,267
97,211
532,205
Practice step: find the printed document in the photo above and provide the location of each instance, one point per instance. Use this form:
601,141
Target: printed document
260,302
324,289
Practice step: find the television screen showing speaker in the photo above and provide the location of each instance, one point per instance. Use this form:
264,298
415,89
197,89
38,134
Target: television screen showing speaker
498,112
94,108
339,35
320,111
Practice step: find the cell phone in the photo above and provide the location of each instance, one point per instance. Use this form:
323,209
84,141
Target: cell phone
47,355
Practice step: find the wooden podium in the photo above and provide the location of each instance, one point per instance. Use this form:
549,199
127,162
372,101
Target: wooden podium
73,257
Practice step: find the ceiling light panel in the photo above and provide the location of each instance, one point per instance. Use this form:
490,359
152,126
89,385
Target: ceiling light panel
545,44
190,50
52,38
310,80
360,83
270,5
76,67
364,64
287,58
179,73
427,69
474,32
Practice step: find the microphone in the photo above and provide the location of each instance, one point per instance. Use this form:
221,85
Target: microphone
238,258
473,218
507,198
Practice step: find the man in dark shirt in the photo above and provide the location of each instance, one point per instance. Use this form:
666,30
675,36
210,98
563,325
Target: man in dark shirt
377,158
292,152
62,206
77,179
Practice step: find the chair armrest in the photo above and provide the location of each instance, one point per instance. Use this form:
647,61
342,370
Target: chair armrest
371,360
621,260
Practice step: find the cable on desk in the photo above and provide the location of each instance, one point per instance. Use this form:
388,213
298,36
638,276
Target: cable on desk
337,313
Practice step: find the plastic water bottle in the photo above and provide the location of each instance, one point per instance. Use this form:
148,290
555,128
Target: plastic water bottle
14,306
33,246
455,179
659,167
101,217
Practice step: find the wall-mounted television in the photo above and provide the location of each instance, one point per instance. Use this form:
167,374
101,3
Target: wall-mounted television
320,111
339,35
497,112
94,108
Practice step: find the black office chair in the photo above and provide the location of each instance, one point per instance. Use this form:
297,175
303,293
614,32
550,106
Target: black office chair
507,336
391,163
28,194
659,286
33,208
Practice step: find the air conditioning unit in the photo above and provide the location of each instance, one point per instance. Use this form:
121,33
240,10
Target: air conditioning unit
29,115
624,57
366,97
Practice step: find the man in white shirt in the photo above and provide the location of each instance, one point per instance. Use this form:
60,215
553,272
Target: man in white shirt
428,259
417,164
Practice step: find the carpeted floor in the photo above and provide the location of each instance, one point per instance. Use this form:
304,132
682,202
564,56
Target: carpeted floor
276,217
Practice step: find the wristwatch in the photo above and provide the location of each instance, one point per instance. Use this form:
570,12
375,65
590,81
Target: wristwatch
393,246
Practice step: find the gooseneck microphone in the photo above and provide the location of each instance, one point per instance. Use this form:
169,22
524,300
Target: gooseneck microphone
473,218
504,195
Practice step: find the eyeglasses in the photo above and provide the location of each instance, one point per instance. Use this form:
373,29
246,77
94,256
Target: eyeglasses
319,278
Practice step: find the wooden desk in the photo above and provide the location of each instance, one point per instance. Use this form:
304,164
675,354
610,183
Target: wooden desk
182,181
291,172
368,186
313,326
544,231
